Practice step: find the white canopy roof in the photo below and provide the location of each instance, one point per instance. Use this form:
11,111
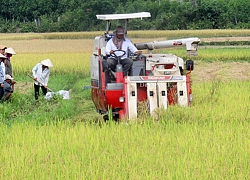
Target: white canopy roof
123,16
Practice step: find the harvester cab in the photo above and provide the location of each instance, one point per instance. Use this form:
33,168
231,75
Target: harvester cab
157,80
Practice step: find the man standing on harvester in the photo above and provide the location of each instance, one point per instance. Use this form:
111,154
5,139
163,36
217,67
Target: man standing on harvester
120,42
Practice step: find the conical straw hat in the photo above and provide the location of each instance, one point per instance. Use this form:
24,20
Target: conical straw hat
2,56
9,50
47,62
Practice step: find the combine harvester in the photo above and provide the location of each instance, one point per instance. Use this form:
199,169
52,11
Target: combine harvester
159,80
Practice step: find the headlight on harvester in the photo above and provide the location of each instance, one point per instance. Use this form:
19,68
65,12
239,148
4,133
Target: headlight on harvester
121,99
190,97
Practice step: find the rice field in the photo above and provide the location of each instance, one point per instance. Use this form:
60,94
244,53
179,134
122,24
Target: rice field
61,139
170,34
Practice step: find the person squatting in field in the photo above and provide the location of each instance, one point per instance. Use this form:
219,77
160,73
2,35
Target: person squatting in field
41,72
8,88
119,42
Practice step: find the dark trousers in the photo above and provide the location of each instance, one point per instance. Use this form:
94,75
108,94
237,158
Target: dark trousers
37,88
126,64
1,92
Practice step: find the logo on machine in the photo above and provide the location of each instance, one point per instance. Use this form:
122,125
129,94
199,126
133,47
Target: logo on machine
177,43
142,84
153,78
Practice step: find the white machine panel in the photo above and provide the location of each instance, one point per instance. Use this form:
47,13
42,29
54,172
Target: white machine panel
162,95
132,101
182,93
152,97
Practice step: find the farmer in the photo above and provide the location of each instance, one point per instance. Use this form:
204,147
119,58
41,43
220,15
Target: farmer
41,73
2,49
8,88
2,76
119,42
8,53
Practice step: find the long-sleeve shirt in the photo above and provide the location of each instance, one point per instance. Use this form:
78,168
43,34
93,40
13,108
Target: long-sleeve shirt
2,74
126,44
41,75
3,68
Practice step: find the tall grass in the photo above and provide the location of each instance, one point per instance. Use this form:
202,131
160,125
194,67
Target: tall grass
213,150
63,63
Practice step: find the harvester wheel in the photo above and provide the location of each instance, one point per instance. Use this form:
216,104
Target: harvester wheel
105,117
116,117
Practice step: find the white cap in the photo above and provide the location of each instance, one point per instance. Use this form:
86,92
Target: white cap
8,77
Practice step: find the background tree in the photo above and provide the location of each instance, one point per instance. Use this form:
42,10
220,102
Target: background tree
79,15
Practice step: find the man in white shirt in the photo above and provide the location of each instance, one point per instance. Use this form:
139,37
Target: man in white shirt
119,42
41,74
